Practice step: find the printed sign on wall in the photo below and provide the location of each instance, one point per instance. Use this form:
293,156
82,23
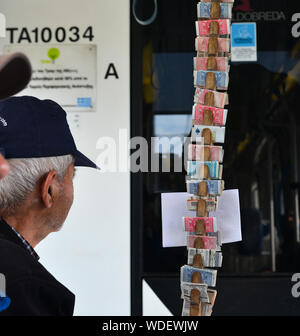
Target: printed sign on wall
64,73
243,42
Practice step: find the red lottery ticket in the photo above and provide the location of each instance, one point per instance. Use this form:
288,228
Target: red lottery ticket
202,27
190,223
209,243
220,98
201,44
200,63
219,115
196,153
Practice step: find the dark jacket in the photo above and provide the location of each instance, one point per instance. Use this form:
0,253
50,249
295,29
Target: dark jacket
32,289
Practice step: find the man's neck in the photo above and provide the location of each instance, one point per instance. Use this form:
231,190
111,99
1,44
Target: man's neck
28,227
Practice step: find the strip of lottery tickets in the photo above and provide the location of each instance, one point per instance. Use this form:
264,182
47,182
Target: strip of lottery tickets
205,155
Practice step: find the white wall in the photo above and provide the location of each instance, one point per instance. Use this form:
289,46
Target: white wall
91,254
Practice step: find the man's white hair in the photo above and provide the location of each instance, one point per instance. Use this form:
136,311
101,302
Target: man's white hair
23,176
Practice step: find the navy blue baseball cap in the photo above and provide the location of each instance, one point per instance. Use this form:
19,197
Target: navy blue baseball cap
33,128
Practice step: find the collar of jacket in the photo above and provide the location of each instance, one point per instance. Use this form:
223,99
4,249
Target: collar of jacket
9,233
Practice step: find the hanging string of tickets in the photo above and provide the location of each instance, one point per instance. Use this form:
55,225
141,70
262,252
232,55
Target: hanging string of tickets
204,169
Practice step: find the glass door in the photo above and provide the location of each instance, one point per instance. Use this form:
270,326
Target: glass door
262,137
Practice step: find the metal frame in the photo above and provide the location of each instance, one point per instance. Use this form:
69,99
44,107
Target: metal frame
136,179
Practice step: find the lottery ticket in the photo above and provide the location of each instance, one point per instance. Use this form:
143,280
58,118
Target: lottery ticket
213,239
201,44
214,187
205,309
209,243
217,133
186,288
203,27
222,79
189,223
210,258
219,115
220,98
195,169
211,203
203,10
208,276
197,153
200,63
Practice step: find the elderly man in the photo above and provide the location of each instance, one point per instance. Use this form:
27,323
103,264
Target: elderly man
35,198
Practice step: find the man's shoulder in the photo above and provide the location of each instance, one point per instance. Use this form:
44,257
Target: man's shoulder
17,263
30,285
14,258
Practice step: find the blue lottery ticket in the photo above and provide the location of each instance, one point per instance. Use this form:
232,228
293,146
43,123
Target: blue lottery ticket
194,169
214,187
204,10
208,276
222,79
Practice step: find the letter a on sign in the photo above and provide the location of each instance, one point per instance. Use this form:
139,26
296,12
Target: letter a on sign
111,71
2,25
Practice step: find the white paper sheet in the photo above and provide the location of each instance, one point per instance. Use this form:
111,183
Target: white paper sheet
229,217
174,207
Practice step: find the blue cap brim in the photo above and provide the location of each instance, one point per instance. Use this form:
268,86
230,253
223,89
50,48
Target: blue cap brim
82,161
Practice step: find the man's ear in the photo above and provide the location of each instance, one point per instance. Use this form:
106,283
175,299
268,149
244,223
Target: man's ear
50,189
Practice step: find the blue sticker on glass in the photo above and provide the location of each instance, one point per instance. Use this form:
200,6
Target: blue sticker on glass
243,35
84,102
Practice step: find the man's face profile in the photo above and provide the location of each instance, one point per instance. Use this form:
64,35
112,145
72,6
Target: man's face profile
59,197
